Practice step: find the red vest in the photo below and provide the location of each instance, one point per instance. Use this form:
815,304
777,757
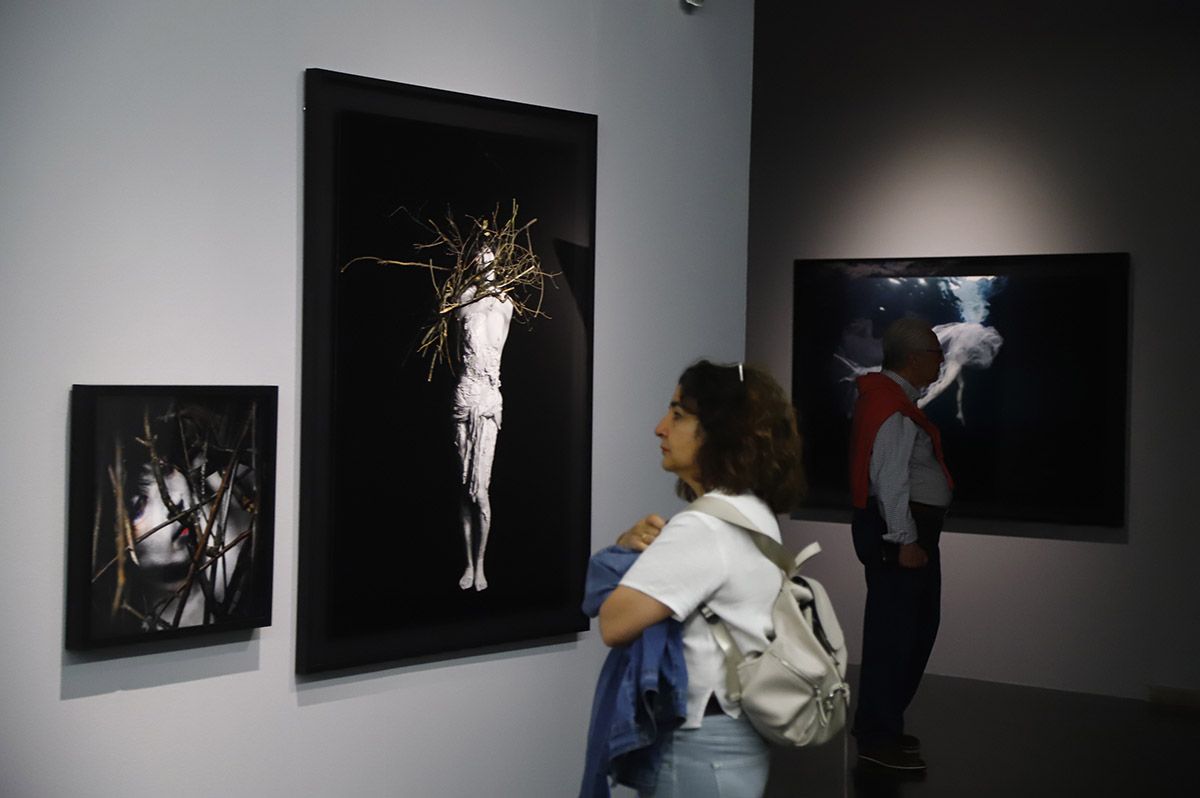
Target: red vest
878,398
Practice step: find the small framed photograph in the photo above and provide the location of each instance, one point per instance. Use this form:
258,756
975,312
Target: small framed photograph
171,526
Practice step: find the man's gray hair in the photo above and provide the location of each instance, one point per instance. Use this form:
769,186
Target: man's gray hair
902,338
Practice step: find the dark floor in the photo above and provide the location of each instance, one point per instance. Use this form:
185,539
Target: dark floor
982,739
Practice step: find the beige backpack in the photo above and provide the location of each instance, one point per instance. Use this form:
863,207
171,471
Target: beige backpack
794,692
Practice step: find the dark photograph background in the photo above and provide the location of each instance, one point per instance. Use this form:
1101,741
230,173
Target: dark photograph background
1043,427
383,550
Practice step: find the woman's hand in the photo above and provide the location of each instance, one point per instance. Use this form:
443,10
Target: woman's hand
642,534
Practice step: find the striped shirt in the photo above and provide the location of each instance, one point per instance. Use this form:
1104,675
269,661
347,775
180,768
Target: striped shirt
903,469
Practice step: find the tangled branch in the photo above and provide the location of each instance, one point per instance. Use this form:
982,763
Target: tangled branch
490,258
129,587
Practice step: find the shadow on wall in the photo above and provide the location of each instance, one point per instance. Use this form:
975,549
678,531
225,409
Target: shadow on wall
139,666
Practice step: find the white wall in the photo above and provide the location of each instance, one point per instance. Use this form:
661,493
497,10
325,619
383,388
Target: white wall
1007,130
150,229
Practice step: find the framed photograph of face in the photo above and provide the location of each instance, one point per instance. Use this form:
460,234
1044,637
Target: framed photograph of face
1032,398
446,423
172,496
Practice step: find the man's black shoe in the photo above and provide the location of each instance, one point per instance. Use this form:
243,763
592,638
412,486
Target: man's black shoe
909,744
891,756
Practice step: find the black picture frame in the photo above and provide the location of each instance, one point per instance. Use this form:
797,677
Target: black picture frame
381,540
1038,438
211,543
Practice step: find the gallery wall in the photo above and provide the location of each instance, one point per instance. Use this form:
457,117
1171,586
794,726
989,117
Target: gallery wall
937,130
150,233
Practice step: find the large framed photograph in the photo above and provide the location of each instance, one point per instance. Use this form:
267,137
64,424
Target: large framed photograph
1032,399
446,423
171,528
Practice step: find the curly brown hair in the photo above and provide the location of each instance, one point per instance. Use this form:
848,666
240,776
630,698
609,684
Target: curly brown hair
749,442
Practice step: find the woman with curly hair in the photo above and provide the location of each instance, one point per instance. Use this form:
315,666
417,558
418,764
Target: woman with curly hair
729,433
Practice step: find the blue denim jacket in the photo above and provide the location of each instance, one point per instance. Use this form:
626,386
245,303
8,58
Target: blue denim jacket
641,694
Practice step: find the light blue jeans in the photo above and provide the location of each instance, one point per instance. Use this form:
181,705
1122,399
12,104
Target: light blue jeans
724,758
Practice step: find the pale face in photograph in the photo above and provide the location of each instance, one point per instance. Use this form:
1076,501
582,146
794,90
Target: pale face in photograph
164,557
165,553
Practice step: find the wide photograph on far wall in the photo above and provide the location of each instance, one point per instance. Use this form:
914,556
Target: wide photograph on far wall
446,425
171,530
1032,398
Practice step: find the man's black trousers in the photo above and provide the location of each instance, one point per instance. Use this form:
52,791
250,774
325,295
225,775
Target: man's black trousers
900,624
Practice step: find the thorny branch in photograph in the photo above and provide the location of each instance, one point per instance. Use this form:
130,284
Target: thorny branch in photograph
174,538
486,257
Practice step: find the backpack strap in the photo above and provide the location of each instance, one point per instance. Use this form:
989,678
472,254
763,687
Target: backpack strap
733,654
771,549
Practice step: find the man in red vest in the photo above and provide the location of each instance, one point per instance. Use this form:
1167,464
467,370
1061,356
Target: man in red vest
900,488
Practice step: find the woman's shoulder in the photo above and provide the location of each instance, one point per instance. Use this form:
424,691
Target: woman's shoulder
749,506
701,534
693,522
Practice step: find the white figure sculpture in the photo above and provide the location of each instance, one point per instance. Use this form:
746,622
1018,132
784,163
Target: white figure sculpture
493,276
478,406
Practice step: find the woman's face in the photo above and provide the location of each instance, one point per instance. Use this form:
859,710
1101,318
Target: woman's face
680,435
167,551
